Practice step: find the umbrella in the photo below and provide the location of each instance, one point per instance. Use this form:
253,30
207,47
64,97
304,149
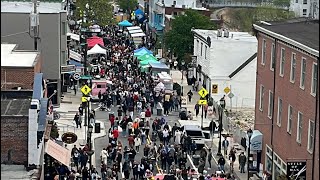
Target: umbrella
125,23
147,57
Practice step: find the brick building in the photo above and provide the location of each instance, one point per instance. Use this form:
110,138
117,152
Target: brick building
18,67
14,131
287,111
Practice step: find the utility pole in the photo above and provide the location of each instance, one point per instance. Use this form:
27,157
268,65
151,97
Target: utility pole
35,24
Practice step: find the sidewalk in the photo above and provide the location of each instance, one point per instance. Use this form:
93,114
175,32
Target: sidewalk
176,76
66,123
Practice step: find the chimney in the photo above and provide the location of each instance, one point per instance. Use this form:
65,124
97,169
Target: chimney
219,33
226,33
183,6
162,2
174,3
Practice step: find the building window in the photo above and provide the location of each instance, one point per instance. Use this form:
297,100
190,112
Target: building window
304,12
175,13
201,48
297,1
273,52
299,127
264,48
270,107
279,116
261,97
305,1
311,136
314,83
293,67
205,52
303,72
289,125
282,61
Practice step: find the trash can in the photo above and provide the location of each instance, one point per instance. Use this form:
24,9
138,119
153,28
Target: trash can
196,159
97,127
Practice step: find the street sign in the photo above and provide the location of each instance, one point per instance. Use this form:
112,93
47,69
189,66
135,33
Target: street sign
84,99
230,95
202,102
214,88
203,92
76,76
85,90
227,90
297,170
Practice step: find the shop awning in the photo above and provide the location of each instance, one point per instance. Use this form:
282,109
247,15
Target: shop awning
76,63
58,152
256,141
92,41
76,56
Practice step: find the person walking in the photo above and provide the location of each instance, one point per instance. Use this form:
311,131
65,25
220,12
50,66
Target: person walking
190,94
197,109
212,127
242,162
225,145
77,120
221,163
137,143
209,158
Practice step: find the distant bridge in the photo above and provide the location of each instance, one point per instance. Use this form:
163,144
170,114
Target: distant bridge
222,4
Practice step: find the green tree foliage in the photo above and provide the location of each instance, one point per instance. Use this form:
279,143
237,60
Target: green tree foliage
99,10
180,38
242,19
127,4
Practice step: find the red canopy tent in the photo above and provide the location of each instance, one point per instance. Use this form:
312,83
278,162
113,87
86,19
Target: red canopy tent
94,40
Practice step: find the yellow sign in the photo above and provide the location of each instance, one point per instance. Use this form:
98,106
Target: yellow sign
84,99
85,90
215,88
203,92
202,102
227,90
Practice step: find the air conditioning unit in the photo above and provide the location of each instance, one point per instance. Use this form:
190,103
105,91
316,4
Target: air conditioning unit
35,104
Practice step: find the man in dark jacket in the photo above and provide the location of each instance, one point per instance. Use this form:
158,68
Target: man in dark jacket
212,127
77,120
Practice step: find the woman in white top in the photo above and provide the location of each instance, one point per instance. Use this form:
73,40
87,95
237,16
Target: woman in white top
104,155
137,143
177,134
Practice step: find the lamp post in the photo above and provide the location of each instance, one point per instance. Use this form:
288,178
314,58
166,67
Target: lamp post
249,133
90,152
221,108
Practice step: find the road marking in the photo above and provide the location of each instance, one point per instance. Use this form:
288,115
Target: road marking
191,162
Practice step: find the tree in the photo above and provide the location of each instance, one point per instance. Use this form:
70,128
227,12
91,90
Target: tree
101,11
127,5
180,38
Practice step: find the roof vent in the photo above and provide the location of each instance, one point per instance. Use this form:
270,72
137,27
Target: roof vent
219,33
226,33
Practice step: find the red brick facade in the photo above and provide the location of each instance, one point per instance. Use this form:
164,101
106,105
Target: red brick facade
12,77
14,133
285,144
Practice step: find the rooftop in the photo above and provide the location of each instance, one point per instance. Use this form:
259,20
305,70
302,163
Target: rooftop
12,58
26,7
300,30
15,107
229,54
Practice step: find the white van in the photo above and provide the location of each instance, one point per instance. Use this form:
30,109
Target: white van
196,134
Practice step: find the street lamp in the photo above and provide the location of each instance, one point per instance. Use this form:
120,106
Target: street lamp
90,152
221,108
249,133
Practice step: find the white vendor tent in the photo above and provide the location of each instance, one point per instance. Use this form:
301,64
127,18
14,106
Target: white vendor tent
135,31
138,35
97,49
133,28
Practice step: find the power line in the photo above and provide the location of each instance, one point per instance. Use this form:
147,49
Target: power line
15,34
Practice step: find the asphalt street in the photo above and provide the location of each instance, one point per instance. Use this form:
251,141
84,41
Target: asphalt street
102,142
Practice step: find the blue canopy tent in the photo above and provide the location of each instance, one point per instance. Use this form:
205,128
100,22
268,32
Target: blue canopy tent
143,49
125,23
141,53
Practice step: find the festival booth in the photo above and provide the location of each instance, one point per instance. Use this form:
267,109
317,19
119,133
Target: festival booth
92,41
142,51
137,38
125,23
133,28
97,49
158,67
